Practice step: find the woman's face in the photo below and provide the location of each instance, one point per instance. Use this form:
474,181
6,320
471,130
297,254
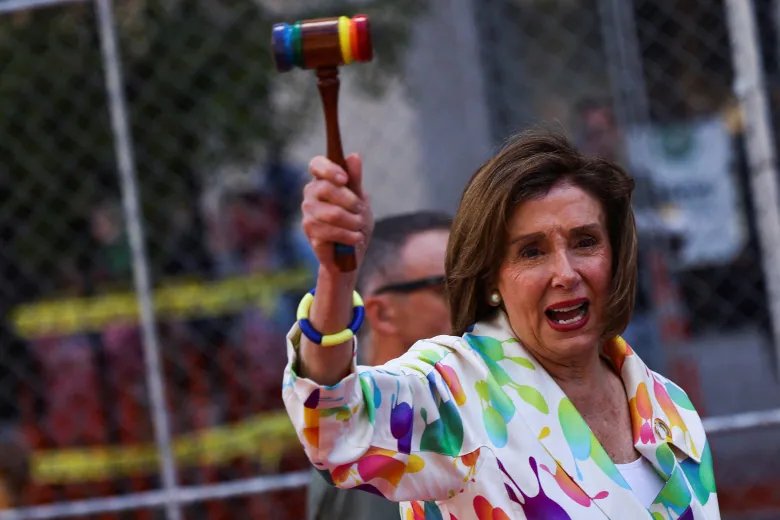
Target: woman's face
555,278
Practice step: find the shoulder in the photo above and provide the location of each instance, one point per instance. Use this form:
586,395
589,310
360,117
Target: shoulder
443,343
450,348
439,353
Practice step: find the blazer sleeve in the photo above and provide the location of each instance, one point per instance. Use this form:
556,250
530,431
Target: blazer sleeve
404,430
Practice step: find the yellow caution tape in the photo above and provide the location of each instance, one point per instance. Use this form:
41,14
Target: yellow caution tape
264,438
178,300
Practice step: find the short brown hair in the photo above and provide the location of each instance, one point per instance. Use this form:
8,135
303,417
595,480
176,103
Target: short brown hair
527,167
381,264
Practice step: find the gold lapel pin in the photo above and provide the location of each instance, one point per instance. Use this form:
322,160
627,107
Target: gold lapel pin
662,429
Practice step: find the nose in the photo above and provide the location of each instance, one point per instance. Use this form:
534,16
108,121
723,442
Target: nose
564,275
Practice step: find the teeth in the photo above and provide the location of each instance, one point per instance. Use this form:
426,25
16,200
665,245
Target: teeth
581,308
572,320
566,309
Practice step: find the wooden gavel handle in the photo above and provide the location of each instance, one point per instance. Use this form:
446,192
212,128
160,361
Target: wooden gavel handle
328,85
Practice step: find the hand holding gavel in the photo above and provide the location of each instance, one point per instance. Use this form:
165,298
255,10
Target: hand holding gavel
323,44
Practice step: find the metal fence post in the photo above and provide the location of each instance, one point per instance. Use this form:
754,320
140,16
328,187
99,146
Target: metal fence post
750,89
618,27
126,167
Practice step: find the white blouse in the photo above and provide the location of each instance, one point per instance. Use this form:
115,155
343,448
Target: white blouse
643,479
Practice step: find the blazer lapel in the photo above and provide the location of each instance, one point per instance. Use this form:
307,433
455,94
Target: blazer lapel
661,434
658,418
563,433
657,407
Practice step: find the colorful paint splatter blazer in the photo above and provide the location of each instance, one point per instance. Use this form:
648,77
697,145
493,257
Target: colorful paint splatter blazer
474,428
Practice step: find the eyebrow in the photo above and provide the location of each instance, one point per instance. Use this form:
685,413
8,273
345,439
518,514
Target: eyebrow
587,228
531,237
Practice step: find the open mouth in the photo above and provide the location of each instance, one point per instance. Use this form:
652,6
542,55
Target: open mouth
568,315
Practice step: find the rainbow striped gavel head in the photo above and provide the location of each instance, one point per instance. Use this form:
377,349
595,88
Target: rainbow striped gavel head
321,42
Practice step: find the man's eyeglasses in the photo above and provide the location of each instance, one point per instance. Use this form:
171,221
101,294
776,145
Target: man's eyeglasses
412,285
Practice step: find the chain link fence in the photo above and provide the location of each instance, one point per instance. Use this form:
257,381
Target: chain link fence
151,162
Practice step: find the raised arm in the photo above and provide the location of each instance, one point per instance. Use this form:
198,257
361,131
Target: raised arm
335,210
400,429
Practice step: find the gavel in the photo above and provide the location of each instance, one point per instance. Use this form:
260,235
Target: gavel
323,44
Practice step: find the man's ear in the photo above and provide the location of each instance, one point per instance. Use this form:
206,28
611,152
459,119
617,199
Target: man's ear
380,314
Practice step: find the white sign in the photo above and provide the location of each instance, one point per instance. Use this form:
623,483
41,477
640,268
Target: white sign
690,168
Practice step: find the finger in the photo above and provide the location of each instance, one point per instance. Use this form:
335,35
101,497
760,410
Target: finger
322,234
323,168
332,215
355,171
326,191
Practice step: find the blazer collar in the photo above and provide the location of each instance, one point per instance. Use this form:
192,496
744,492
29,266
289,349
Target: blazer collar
656,420
657,405
549,414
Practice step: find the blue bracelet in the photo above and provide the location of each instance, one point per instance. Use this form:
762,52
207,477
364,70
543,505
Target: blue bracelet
329,340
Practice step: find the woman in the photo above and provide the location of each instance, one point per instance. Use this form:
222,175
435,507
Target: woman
535,408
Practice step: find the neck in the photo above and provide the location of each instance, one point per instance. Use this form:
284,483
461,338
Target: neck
383,349
585,377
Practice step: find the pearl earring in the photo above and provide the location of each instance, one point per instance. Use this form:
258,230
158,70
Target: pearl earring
495,299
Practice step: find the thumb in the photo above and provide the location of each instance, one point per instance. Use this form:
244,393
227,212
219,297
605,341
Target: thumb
355,172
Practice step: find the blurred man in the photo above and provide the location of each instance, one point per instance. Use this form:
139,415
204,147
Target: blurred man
402,284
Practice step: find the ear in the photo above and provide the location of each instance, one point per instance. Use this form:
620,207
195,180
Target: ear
380,314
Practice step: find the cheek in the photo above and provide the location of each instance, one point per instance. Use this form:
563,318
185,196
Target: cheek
506,279
522,291
600,276
440,311
425,307
521,285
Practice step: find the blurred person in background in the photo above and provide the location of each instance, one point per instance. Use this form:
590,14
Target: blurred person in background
402,278
112,259
535,407
248,219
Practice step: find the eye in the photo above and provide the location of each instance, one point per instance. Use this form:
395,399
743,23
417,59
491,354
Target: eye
531,252
587,241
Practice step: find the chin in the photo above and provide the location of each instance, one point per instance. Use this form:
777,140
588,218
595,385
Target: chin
573,344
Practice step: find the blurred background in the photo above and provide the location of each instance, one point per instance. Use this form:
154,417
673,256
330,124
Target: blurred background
151,162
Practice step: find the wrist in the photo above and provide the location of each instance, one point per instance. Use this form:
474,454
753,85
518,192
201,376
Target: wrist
332,305
328,340
336,282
